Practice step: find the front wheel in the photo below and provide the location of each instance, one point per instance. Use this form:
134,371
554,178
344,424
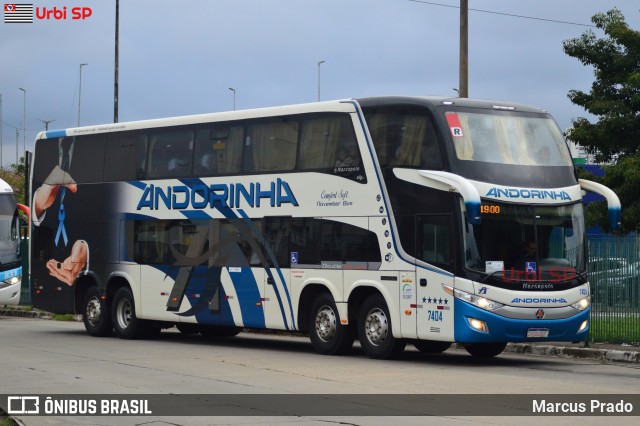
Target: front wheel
95,314
485,350
375,332
123,315
328,336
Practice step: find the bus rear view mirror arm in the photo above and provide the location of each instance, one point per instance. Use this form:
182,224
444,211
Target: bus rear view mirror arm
461,185
613,202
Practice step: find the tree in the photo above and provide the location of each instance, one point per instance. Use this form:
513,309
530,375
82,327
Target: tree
615,100
14,176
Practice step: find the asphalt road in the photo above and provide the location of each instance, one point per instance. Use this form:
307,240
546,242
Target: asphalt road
50,357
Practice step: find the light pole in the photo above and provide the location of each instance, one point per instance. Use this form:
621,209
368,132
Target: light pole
319,63
80,93
464,49
24,120
116,65
234,97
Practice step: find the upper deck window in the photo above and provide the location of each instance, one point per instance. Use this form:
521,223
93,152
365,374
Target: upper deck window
506,138
404,138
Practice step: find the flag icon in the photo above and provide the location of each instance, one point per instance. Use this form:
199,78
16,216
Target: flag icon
18,13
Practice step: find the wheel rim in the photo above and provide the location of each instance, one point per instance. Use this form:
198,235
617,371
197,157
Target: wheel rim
326,323
93,311
124,313
376,326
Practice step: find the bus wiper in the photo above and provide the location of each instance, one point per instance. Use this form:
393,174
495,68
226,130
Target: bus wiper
484,280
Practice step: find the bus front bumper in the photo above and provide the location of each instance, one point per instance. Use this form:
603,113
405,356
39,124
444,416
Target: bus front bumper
475,325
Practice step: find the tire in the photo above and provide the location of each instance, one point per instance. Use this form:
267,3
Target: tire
328,336
218,331
431,346
95,314
485,350
375,330
124,319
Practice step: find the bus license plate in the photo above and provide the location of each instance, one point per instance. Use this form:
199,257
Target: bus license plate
538,332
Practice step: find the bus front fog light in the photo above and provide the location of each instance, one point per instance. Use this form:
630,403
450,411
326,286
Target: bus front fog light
478,325
583,326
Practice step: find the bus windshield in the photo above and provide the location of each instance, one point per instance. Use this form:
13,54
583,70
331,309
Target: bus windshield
8,229
527,243
507,138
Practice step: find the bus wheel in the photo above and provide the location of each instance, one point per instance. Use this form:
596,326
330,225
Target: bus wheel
123,315
96,315
485,350
374,330
431,346
216,331
328,336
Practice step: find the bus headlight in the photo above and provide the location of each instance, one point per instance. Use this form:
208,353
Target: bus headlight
11,281
480,302
582,304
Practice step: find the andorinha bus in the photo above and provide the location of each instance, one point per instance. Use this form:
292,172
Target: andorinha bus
393,220
10,256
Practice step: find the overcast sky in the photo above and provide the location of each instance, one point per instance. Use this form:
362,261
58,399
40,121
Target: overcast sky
180,58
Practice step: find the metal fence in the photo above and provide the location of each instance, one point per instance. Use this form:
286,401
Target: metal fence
614,275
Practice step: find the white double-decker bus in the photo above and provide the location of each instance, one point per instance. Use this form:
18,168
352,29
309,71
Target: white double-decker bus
392,220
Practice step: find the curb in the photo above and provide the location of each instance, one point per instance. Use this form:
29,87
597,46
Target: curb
612,355
609,355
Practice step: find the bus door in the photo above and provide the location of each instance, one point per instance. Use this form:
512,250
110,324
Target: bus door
434,245
278,307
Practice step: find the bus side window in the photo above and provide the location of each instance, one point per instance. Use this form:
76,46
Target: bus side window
273,146
170,154
218,150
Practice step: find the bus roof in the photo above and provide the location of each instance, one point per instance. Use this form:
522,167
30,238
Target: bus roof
5,188
344,105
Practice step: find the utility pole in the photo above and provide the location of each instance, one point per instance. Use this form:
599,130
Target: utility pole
115,79
1,163
464,49
17,139
24,118
46,123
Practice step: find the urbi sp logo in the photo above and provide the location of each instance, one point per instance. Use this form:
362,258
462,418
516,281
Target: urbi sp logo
15,13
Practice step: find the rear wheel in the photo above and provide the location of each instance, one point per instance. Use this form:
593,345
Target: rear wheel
431,346
123,315
375,332
95,314
328,336
485,350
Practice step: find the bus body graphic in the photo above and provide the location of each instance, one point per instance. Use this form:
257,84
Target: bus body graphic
362,218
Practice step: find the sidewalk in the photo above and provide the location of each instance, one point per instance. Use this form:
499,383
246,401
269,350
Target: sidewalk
596,351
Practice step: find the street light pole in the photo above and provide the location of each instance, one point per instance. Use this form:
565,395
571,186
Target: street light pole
319,63
234,97
24,120
80,93
1,163
116,65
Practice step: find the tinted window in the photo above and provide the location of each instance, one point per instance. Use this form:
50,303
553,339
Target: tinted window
170,154
272,146
218,150
404,138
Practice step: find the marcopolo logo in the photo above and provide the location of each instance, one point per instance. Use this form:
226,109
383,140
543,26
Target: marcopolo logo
21,13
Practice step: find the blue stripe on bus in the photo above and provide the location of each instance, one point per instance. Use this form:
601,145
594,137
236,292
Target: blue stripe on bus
248,295
274,261
51,134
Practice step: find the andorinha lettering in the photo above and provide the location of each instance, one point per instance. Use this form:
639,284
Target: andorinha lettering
539,300
541,194
180,197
